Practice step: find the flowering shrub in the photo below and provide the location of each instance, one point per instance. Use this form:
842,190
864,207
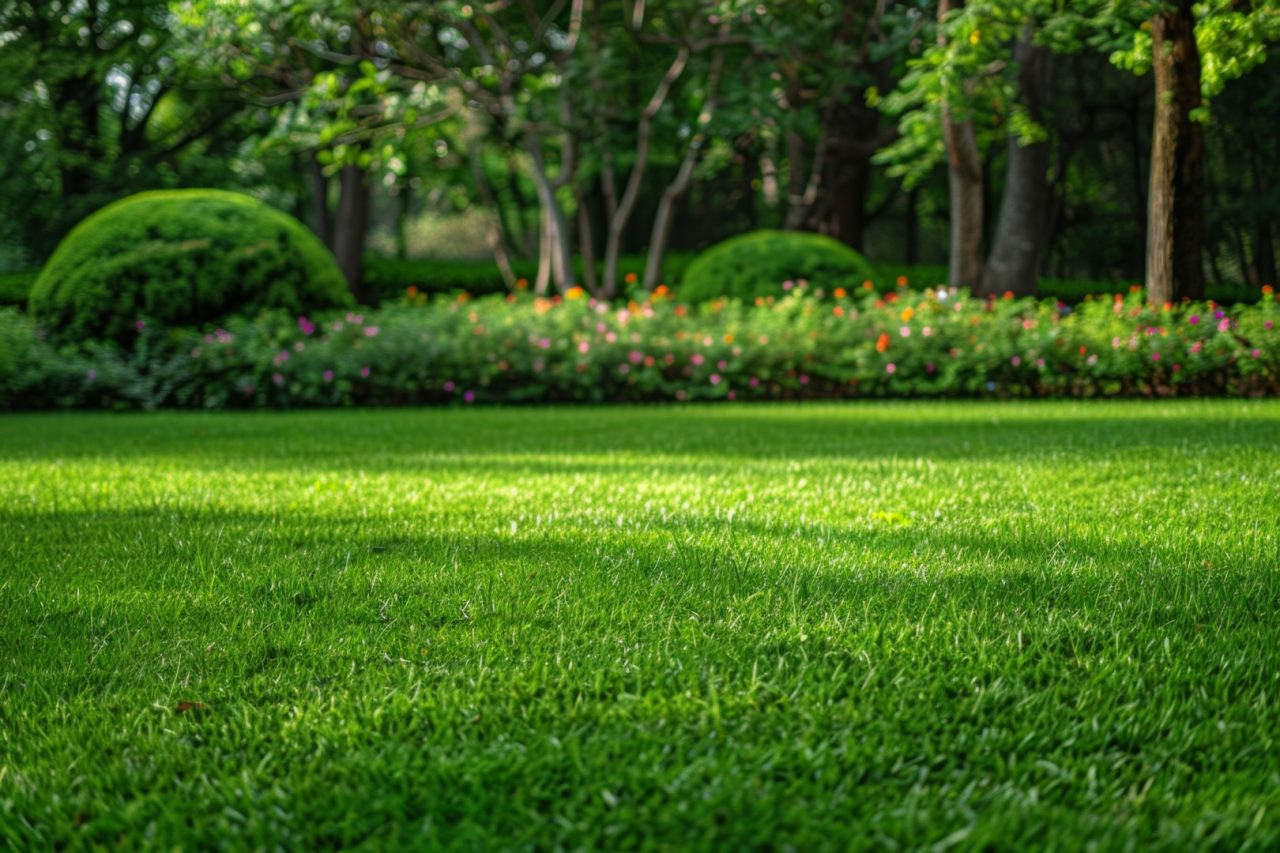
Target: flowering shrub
940,342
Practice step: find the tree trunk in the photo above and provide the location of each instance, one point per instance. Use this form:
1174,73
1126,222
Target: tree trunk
555,231
320,219
1175,205
350,226
1014,264
964,167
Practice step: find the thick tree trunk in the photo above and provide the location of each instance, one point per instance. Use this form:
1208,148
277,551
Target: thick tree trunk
1014,263
1175,206
350,226
964,268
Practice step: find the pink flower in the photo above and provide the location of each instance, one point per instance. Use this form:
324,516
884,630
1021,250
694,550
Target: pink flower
715,379
449,386
722,364
930,367
636,356
1016,360
364,373
584,347
305,325
696,359
1267,325
1256,353
328,376
804,379
277,378
1193,319
1155,356
371,331
732,395
139,326
1040,363
891,368
1197,346
1224,325
754,382
624,368
545,343
905,331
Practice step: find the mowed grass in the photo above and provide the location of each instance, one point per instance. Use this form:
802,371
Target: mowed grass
821,626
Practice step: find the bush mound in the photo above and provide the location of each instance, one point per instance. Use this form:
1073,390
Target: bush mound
181,257
518,349
764,263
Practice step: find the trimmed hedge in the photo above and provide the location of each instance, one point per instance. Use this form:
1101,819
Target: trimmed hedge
516,349
181,257
389,278
767,263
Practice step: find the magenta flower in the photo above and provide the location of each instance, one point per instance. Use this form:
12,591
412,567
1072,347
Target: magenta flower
1155,356
1256,353
1193,319
1268,325
469,396
328,376
364,373
305,325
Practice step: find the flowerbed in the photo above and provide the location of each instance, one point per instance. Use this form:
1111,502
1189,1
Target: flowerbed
515,349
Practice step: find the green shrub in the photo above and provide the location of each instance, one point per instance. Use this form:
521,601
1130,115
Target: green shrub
181,257
14,287
389,278
761,263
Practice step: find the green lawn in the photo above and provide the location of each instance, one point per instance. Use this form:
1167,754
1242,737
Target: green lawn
826,626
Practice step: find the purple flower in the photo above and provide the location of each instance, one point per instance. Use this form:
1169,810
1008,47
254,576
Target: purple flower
139,326
1193,319
305,325
328,376
469,396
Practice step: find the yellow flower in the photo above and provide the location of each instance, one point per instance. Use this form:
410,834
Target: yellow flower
975,36
575,292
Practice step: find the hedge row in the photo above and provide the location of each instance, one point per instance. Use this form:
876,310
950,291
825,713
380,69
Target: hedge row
523,349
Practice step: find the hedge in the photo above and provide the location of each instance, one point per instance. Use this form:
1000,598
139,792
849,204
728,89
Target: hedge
515,349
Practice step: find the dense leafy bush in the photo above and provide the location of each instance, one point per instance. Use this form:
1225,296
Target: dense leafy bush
14,287
181,257
907,343
390,278
768,263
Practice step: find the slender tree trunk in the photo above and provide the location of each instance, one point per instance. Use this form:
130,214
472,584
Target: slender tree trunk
320,219
1175,219
404,210
586,245
555,239
964,164
350,226
626,204
542,279
1014,264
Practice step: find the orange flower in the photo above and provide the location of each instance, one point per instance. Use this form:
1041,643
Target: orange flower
902,281
882,342
522,284
840,294
1135,288
629,278
1008,294
680,310
838,311
867,285
907,314
575,292
728,339
412,290
1268,289
661,290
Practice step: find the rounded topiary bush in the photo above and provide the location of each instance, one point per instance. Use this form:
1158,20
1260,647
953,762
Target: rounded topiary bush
181,257
758,264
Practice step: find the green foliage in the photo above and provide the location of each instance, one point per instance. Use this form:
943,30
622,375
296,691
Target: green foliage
519,349
390,278
767,263
15,287
181,257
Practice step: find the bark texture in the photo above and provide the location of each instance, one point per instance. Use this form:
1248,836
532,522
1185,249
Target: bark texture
1175,202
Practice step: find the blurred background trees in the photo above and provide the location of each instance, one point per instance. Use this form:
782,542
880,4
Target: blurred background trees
554,138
